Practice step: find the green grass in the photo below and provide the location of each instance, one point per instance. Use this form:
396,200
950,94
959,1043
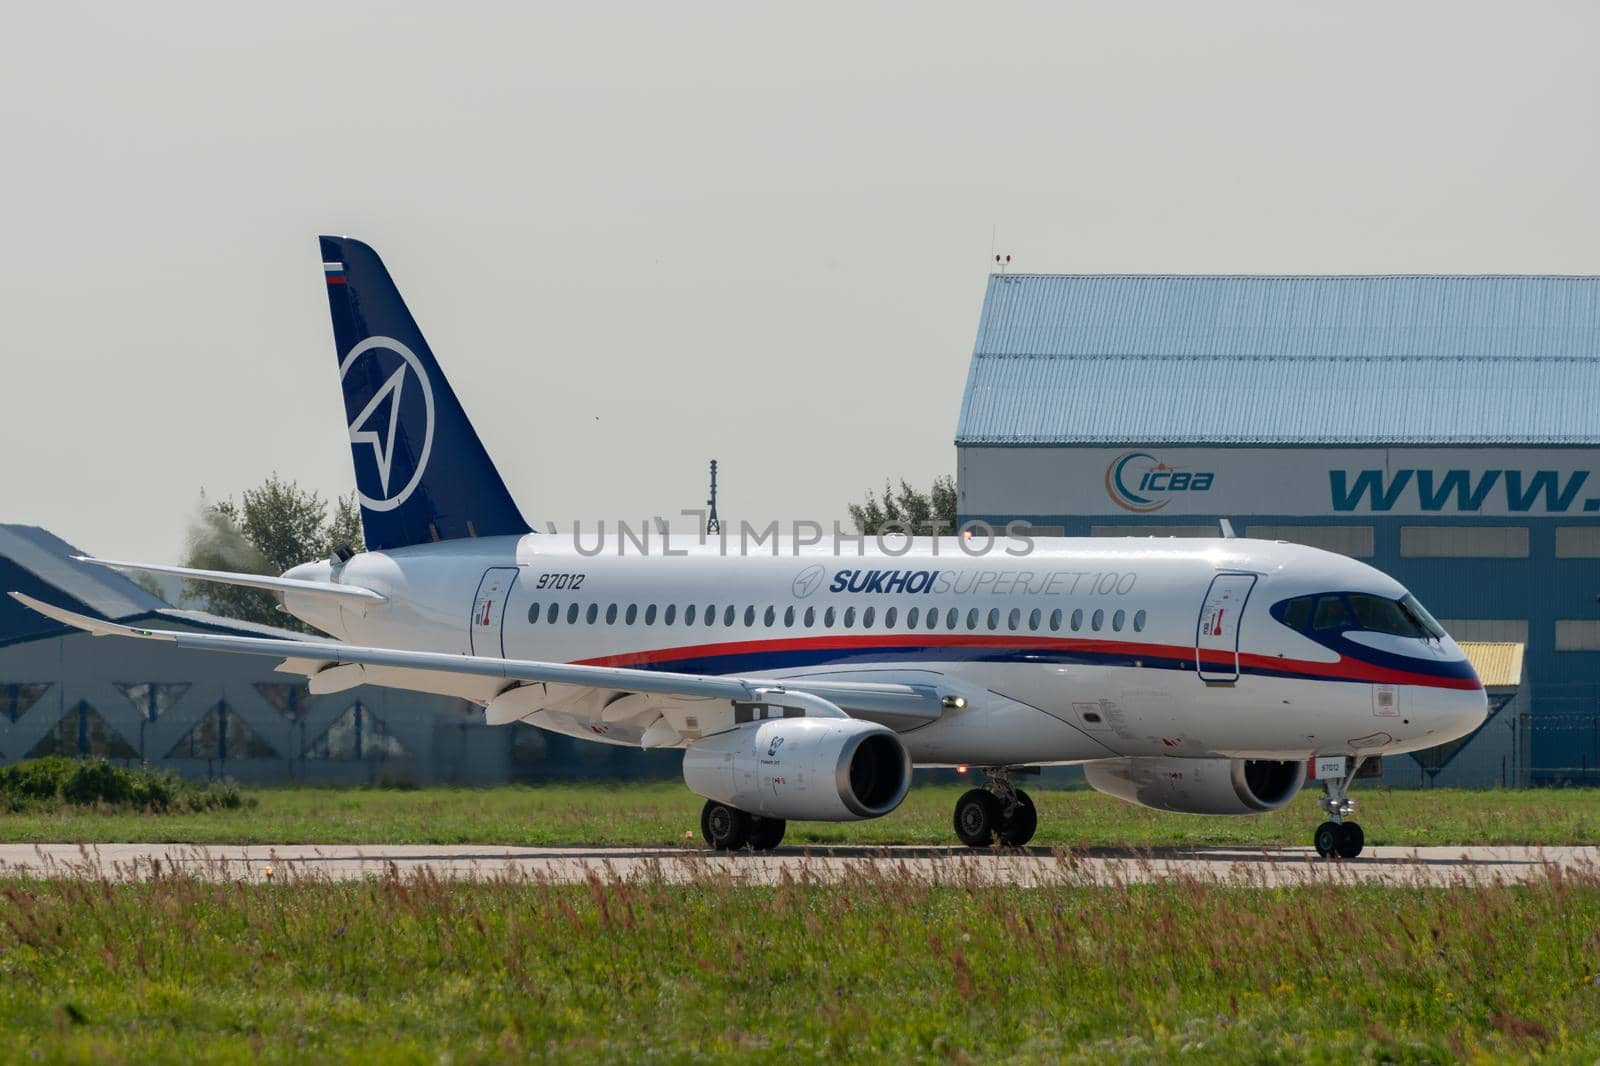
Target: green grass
661,813
879,970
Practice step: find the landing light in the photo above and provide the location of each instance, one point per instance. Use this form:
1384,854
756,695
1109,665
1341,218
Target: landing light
953,703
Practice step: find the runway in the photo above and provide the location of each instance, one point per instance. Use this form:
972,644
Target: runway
1033,867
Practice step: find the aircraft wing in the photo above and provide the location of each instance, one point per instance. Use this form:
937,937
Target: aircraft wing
628,700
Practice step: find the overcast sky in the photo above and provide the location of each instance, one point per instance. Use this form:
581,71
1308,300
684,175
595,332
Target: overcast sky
640,236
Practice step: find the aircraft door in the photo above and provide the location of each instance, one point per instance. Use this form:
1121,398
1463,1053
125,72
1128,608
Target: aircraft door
1217,633
489,611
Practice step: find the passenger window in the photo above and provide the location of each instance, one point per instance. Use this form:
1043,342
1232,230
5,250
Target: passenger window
1331,613
888,618
1055,620
632,615
827,618
994,618
950,617
1077,619
555,612
1098,620
592,613
533,615
811,617
933,618
1138,621
572,615
769,616
670,613
1118,618
866,618
611,615
727,616
688,615
849,617
911,617
749,617
788,616
1033,619
972,618
650,615
1014,619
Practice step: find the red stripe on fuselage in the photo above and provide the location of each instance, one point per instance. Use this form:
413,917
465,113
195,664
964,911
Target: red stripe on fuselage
1342,670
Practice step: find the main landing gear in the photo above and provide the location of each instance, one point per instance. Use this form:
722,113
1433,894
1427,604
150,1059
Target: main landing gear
729,829
1337,836
999,810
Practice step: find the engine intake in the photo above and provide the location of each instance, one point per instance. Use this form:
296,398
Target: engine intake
810,769
1199,786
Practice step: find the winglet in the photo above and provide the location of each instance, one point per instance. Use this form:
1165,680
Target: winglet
82,621
1227,530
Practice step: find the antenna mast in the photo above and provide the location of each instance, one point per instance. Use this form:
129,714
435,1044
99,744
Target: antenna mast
713,523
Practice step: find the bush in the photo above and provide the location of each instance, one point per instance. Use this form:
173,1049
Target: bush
58,781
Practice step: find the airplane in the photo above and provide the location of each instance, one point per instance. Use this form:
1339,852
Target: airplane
805,680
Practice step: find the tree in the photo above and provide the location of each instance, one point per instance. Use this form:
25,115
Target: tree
918,513
274,526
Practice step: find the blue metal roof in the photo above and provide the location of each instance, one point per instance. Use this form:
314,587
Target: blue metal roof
1118,359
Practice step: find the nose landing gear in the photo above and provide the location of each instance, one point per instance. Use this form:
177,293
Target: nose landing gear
999,810
1337,836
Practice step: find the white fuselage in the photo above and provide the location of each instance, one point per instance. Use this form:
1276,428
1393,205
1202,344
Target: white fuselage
1081,649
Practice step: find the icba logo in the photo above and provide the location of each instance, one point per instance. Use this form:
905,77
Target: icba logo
1139,482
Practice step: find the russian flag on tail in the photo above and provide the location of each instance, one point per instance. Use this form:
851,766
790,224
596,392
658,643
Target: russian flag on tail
334,272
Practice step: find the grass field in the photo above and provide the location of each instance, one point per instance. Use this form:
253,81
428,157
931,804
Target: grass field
660,813
879,970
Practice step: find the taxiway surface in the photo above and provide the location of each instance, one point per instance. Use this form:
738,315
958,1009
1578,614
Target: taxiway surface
1265,867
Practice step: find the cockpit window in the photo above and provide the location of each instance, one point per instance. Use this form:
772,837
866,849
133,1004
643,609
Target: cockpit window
1379,615
1331,613
1363,611
1411,606
1297,612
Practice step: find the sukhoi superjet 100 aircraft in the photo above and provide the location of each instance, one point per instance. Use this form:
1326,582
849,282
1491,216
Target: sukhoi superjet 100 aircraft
806,680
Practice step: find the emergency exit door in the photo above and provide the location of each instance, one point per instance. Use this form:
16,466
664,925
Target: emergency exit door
489,611
1217,634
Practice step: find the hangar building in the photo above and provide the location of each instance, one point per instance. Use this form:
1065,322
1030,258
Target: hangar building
208,714
1442,428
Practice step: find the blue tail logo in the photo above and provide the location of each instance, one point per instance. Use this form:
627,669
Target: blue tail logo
422,474
378,423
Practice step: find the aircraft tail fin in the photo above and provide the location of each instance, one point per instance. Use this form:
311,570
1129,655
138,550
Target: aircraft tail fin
422,474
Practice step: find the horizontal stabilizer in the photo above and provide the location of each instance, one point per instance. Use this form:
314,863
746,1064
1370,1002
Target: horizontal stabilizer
254,581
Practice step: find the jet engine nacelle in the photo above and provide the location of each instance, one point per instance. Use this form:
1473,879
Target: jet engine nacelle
1199,786
810,769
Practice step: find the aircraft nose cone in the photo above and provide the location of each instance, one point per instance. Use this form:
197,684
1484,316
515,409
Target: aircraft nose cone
1461,712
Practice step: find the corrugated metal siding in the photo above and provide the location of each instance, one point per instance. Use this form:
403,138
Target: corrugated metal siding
1498,665
1383,360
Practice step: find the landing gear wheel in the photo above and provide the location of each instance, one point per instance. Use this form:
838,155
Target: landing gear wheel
1351,840
1017,829
1329,834
766,833
725,828
977,818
